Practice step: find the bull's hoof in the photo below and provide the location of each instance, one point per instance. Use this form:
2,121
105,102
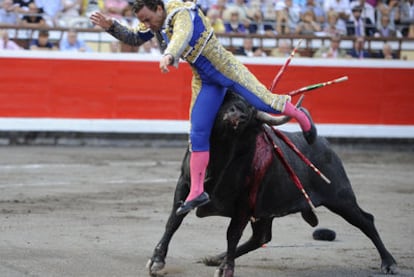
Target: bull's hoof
227,272
310,217
324,234
218,272
154,268
387,268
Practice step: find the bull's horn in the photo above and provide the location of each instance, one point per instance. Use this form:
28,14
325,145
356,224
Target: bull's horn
277,120
299,103
272,120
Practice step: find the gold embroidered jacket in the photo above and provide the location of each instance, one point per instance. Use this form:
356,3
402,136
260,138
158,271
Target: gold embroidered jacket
186,32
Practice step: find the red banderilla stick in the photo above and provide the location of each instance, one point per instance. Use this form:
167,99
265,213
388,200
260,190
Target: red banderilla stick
283,68
269,131
303,157
315,86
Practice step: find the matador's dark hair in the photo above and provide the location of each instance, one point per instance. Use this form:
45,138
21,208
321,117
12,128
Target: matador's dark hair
150,4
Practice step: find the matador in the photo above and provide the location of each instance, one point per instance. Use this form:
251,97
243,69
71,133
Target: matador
183,32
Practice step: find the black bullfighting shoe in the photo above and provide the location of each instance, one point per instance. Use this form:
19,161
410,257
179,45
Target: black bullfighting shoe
199,201
311,134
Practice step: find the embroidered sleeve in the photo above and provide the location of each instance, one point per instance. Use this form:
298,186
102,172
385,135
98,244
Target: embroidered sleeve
134,37
182,31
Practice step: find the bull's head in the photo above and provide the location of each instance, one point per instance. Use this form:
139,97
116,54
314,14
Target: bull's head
236,114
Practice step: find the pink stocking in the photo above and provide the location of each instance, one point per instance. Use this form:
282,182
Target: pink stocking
198,166
291,110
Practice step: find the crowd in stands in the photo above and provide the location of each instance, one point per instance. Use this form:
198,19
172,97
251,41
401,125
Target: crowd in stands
336,18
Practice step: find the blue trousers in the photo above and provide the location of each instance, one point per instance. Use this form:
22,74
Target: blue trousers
209,87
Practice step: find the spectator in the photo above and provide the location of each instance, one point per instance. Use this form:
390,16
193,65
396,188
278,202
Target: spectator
216,22
268,9
332,28
254,5
391,9
343,9
258,26
359,26
385,29
128,17
287,17
358,51
131,21
205,5
387,53
42,42
281,18
221,7
300,3
114,8
6,43
22,6
406,15
316,9
249,50
241,6
70,14
150,48
115,47
33,17
234,25
88,7
410,31
51,10
372,2
7,13
333,51
283,50
72,43
368,11
308,25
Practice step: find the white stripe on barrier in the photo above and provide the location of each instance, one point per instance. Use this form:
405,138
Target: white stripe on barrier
182,127
94,125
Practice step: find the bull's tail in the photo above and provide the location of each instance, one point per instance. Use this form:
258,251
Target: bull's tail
310,217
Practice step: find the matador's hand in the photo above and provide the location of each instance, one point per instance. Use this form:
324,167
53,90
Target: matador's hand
101,20
165,61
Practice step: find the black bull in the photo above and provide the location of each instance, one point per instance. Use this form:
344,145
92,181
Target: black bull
246,180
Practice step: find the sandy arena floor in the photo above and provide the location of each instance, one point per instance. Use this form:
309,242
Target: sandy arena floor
99,211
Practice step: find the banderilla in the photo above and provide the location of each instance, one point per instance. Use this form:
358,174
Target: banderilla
283,68
315,86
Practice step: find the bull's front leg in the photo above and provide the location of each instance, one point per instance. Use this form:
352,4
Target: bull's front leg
157,261
261,234
234,233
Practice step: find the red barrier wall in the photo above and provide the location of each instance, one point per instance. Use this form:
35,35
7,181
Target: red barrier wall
120,89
